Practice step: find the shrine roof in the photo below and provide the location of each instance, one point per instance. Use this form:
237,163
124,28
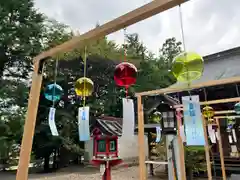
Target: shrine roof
113,126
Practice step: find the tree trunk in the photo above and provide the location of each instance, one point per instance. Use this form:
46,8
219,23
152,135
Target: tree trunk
46,163
189,174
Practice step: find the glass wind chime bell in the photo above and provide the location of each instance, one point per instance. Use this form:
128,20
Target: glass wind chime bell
187,66
208,113
157,116
237,105
125,74
53,92
237,108
84,87
230,124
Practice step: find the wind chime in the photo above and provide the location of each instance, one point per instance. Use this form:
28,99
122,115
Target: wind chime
125,75
53,92
84,88
208,114
187,67
157,117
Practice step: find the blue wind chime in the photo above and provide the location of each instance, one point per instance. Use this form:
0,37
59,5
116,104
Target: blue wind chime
53,92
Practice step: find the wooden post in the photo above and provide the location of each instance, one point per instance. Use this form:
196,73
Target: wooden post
221,150
29,127
141,143
209,169
181,146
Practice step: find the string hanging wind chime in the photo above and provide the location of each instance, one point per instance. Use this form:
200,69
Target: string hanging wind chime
53,92
125,75
84,87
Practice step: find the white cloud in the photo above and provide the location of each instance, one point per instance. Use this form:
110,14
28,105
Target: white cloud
209,25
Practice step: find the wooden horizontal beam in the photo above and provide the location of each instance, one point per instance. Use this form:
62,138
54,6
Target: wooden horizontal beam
137,15
223,117
219,101
225,112
191,87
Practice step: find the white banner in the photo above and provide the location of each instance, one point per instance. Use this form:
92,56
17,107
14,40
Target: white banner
51,121
128,118
158,133
234,135
83,123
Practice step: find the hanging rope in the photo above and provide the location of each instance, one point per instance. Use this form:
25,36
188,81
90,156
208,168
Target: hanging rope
182,30
183,42
125,44
125,53
55,81
84,75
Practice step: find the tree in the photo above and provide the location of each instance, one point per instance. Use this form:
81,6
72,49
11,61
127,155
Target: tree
20,39
170,48
20,31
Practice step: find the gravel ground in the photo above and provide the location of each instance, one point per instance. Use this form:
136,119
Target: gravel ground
130,173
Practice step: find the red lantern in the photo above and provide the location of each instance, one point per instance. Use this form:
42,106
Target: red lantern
125,74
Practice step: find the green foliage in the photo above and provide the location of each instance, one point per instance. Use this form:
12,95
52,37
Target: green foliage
170,48
20,31
195,159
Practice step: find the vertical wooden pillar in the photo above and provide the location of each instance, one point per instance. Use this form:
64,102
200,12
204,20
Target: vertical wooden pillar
221,150
181,146
29,127
141,143
209,169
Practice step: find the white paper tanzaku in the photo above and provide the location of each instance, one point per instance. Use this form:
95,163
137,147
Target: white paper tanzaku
83,123
158,134
51,121
128,118
234,135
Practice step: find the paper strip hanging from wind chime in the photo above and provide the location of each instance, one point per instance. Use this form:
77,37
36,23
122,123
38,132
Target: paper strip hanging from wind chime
128,118
51,121
193,121
158,133
211,133
83,123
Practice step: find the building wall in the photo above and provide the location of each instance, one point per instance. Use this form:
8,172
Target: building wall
128,149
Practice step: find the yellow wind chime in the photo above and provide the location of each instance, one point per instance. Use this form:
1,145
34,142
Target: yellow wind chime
84,87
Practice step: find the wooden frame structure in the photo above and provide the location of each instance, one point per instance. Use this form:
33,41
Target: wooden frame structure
137,15
175,90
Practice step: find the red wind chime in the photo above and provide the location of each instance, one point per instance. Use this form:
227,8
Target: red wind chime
125,73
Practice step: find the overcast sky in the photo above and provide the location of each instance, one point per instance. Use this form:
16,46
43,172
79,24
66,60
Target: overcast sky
209,25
